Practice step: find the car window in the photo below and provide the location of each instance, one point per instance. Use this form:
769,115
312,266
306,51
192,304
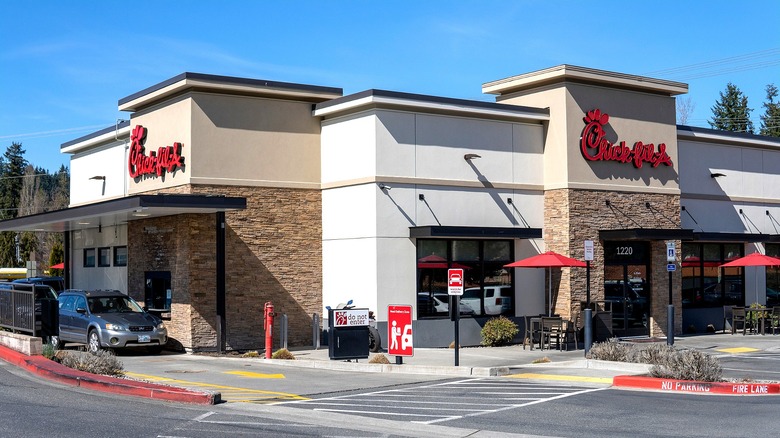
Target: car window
489,292
66,302
81,302
471,293
506,292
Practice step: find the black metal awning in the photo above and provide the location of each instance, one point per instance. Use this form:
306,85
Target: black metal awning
475,232
647,234
731,237
122,210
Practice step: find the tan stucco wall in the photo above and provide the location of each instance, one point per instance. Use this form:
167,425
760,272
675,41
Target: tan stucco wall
633,116
233,140
256,141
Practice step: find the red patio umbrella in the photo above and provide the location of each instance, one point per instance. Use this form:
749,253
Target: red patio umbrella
549,259
57,266
755,259
434,261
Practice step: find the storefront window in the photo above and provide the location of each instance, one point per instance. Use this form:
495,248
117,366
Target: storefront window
704,282
104,257
487,284
120,256
773,277
89,257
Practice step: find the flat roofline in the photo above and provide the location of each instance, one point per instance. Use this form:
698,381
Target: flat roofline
566,72
717,136
121,125
384,98
227,84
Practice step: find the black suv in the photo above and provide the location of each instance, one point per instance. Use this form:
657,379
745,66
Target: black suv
56,283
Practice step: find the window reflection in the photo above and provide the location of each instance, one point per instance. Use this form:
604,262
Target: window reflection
487,284
704,283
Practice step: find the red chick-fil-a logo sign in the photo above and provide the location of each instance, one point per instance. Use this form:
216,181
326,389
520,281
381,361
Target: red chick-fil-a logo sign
167,158
595,147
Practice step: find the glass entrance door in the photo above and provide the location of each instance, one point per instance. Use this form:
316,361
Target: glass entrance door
626,286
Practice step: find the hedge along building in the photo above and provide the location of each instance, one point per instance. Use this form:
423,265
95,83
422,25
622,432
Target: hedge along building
372,196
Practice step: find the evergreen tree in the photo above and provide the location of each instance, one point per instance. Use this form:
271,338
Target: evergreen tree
770,120
731,112
11,179
12,168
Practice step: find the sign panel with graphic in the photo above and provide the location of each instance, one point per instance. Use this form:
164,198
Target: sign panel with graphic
350,317
455,281
400,341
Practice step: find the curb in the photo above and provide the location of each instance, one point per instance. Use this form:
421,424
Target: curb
694,387
51,370
391,368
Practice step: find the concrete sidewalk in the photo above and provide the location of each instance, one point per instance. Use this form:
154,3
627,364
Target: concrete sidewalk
510,362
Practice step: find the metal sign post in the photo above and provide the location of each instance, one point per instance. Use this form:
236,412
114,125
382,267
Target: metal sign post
455,287
671,258
588,311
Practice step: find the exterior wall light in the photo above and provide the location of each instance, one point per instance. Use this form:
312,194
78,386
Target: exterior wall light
468,157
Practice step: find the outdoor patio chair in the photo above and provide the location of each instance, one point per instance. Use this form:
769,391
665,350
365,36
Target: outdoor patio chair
570,331
551,328
774,319
727,315
738,317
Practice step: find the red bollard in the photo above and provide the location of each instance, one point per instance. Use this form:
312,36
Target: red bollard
269,328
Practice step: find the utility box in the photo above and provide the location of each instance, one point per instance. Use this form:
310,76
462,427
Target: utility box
348,334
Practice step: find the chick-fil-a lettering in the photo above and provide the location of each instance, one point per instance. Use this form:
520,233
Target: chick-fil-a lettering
595,147
167,158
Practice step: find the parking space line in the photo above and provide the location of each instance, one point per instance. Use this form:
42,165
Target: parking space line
229,393
560,377
255,375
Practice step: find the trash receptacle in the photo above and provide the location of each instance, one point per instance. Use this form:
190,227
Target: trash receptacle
347,334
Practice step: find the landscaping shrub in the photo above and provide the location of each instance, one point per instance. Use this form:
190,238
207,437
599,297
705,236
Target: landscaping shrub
611,349
283,353
498,331
379,358
688,365
103,362
48,351
667,361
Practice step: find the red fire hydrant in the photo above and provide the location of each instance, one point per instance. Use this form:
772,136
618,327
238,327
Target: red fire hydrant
269,314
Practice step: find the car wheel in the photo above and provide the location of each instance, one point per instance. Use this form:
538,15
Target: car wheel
94,342
374,341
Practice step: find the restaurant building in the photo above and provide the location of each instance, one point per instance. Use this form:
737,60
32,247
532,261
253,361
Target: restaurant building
220,194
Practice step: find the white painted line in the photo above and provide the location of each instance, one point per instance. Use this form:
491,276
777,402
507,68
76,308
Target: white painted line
383,413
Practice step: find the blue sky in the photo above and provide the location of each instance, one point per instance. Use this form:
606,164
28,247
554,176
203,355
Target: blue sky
67,63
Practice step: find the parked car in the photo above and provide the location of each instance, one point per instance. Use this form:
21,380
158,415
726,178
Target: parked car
107,319
56,283
439,304
496,299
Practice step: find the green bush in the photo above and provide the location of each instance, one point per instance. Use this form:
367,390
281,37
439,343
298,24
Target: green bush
48,351
283,353
498,331
103,362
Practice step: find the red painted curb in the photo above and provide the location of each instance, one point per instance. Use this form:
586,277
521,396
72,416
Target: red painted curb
51,370
689,386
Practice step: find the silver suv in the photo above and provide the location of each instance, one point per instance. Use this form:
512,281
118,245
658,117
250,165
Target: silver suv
107,319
